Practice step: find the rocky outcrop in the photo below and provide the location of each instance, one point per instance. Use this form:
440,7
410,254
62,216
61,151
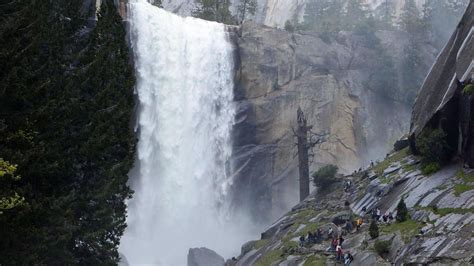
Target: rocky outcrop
439,230
441,102
330,78
204,257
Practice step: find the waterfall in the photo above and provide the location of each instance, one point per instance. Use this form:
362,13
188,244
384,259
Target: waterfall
185,71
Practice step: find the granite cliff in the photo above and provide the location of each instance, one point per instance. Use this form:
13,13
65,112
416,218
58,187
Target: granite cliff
440,204
333,80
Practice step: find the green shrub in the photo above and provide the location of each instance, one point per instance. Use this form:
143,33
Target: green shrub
289,26
430,168
433,146
325,176
402,211
373,229
468,89
461,188
382,247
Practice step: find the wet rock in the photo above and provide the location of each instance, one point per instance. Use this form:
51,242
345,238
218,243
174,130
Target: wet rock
391,169
204,257
401,144
441,100
281,71
247,247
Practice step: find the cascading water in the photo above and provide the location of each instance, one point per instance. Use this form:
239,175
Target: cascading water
185,71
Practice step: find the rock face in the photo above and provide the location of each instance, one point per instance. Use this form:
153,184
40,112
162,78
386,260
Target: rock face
441,101
439,231
330,79
204,257
274,13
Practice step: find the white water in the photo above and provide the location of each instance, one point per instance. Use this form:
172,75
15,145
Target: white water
185,73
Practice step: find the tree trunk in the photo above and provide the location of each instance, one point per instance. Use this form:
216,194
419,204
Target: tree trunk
303,162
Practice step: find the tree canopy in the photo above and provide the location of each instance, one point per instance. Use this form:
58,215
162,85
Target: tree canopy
63,81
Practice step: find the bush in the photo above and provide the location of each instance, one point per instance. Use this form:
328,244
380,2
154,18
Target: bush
402,211
433,147
430,168
468,89
382,247
325,176
289,26
374,229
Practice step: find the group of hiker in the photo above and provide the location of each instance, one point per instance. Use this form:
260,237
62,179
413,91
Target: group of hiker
312,238
336,246
376,214
336,243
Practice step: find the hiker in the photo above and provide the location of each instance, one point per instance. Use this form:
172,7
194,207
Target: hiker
330,233
348,259
372,163
339,253
302,240
311,238
341,240
349,226
358,224
319,234
334,244
378,214
390,216
374,214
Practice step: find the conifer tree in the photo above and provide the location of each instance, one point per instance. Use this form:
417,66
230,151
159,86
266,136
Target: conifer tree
373,229
246,8
412,23
402,211
356,13
214,10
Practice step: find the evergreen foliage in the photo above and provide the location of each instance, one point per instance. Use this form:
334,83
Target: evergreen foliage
216,10
246,8
66,100
402,211
289,26
373,229
468,89
440,17
325,176
9,198
382,247
411,22
386,11
323,15
432,145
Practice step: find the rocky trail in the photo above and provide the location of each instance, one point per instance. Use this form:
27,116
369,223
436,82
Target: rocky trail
440,228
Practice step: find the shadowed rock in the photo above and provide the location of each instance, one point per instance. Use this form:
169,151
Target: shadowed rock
204,257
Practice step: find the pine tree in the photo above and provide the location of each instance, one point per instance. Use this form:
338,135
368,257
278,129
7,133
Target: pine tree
373,229
402,211
356,13
9,197
214,10
246,8
412,23
323,15
387,13
60,88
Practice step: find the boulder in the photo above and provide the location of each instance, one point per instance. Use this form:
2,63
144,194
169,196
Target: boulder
204,257
453,63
